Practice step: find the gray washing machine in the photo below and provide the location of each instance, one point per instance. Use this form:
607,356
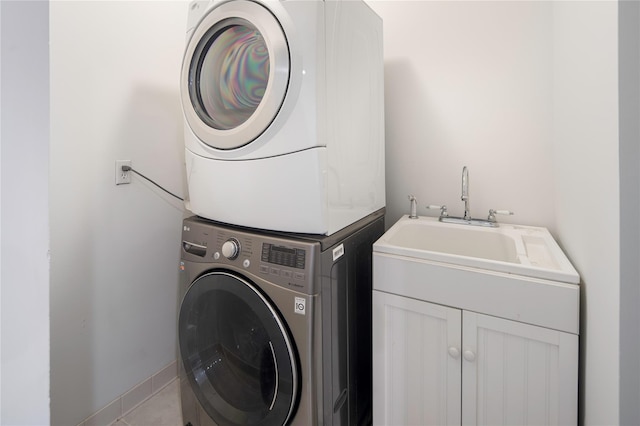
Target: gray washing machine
275,328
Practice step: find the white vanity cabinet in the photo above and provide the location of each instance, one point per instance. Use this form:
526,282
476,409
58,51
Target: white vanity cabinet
437,365
474,326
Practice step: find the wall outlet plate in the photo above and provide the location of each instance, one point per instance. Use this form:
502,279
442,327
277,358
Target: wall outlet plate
121,176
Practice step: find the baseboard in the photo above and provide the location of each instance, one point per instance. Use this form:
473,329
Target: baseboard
135,396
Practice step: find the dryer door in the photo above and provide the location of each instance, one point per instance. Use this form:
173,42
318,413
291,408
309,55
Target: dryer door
235,74
237,353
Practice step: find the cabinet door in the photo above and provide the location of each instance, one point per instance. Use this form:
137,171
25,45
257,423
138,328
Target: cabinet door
416,362
517,374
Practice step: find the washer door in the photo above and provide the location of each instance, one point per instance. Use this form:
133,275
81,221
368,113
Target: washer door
235,74
236,352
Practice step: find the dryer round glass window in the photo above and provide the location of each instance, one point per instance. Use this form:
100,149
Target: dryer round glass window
237,352
235,74
231,75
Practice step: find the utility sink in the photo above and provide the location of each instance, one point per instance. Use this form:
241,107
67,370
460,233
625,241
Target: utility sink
523,250
511,271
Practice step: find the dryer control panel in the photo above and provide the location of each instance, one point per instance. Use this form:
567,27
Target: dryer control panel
283,261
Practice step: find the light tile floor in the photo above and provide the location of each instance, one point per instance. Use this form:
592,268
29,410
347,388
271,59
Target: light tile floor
162,409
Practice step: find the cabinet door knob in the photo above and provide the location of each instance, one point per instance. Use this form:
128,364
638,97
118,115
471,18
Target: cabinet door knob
454,352
469,355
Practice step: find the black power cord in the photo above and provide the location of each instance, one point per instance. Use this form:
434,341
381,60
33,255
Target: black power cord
131,169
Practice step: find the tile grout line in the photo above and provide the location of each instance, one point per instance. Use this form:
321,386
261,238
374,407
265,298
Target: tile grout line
92,419
131,410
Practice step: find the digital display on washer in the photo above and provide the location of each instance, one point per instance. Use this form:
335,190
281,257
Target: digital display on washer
283,256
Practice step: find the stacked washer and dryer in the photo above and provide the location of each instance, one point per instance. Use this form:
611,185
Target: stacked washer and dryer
284,138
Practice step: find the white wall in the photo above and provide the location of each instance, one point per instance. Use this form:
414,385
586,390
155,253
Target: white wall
525,94
587,187
469,83
115,249
24,230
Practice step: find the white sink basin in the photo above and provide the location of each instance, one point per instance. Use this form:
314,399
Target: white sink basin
522,250
513,272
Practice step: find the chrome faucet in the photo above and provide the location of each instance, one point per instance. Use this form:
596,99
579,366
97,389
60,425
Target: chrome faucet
465,193
467,219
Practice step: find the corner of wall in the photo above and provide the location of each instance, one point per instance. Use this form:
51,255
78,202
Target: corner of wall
24,113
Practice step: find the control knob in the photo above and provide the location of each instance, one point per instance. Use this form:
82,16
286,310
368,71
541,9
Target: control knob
231,248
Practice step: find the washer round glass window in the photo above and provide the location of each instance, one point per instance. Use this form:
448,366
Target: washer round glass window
229,74
236,352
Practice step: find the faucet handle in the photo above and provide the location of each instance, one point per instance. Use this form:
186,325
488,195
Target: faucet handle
414,207
493,213
442,208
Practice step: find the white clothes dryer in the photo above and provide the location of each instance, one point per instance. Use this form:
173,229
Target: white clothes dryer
283,104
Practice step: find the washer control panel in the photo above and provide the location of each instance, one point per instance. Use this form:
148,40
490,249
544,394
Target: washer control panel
283,261
283,255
